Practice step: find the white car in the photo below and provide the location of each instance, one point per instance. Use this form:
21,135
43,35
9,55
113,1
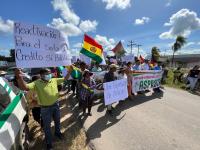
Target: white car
13,117
10,75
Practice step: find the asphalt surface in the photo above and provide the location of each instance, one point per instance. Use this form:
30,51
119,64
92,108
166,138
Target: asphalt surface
166,121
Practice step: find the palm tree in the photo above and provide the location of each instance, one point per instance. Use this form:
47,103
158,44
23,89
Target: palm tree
179,43
155,54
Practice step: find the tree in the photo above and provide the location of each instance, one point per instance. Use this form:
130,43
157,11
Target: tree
155,54
3,58
120,54
179,43
12,55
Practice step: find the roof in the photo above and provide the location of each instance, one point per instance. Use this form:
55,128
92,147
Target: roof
184,58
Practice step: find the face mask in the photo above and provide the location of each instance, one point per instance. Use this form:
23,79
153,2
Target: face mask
47,77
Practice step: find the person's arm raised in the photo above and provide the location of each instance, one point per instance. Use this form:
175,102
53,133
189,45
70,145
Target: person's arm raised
21,83
69,73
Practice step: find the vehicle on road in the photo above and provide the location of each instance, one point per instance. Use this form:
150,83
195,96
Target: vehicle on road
10,75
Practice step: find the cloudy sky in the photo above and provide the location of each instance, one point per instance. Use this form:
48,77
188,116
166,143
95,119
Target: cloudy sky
146,22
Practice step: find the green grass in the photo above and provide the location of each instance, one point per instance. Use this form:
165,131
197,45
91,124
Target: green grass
169,81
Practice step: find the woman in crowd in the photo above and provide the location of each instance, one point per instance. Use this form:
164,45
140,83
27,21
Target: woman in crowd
129,77
193,77
122,73
86,91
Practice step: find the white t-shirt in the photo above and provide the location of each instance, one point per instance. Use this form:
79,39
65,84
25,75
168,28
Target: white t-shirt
122,76
145,67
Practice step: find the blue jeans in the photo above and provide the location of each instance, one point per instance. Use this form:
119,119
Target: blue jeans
47,113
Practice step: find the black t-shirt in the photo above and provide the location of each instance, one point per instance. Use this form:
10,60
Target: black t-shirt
194,73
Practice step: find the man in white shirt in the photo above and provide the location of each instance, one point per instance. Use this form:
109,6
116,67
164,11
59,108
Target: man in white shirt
145,65
137,65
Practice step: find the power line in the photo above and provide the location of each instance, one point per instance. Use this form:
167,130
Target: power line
138,45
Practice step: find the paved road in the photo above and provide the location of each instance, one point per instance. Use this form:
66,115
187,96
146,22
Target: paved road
153,122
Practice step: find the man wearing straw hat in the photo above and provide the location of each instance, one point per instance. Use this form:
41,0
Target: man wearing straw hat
2,73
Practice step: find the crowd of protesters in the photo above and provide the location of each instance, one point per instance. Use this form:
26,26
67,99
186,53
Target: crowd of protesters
43,91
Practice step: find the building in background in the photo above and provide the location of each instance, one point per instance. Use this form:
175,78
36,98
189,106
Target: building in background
184,60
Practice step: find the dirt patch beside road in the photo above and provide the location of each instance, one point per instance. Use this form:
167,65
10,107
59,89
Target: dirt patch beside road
74,135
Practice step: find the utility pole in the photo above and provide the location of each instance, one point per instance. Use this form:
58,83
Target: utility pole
138,45
131,45
165,52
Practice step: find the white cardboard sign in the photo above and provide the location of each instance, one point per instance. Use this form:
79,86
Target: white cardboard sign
85,59
115,91
128,58
39,46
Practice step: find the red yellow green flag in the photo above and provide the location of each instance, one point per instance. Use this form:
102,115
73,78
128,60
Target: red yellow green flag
92,49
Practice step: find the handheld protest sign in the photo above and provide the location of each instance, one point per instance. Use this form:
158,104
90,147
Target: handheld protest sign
115,91
39,46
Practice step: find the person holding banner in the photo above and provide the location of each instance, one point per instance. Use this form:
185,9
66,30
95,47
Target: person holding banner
157,67
129,76
145,65
108,77
137,65
48,95
122,75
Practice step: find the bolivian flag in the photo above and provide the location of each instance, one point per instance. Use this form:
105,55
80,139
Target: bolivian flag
92,49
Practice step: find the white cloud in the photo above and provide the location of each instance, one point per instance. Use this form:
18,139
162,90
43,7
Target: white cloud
66,12
170,44
189,51
68,29
6,26
70,23
142,21
142,52
107,43
120,4
77,45
87,25
194,44
189,44
182,51
169,2
182,23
